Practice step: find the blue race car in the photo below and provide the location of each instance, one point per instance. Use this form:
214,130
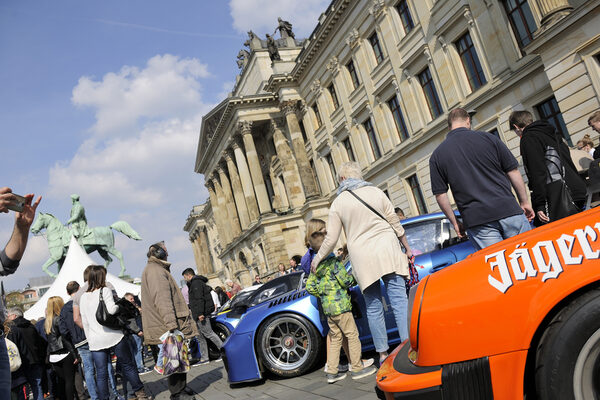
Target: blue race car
278,327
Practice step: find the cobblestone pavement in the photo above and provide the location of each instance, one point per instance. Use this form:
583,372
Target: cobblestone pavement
210,383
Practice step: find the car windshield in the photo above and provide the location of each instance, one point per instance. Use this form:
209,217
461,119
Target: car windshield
275,287
428,236
237,299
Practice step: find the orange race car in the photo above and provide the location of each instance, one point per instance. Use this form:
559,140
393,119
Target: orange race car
517,319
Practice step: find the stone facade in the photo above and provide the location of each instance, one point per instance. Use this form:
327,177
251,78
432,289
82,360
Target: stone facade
373,83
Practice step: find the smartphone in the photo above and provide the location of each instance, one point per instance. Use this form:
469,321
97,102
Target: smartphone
17,204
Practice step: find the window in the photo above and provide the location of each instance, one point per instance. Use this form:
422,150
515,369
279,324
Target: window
374,40
549,111
353,74
470,61
349,150
331,168
302,130
368,125
431,96
315,108
334,97
415,188
521,20
407,22
398,117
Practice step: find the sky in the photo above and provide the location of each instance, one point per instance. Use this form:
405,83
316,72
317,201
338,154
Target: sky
105,99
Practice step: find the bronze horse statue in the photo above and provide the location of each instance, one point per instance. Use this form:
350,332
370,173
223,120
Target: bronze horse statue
101,240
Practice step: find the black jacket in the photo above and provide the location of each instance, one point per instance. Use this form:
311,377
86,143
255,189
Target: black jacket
536,137
72,332
35,344
201,302
57,342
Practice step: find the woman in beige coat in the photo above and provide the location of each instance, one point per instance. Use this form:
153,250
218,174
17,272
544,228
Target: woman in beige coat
374,236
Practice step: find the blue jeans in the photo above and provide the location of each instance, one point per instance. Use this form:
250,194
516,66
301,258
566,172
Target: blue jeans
102,358
136,344
4,370
88,370
396,291
34,377
487,234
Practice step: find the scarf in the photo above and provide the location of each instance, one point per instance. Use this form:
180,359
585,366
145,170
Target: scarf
352,184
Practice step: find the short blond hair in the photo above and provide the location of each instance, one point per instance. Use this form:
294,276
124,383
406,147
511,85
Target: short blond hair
349,170
312,226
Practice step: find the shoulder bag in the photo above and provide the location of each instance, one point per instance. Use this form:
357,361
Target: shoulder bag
14,357
559,202
413,277
106,319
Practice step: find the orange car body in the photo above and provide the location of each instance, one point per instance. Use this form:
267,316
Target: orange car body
491,309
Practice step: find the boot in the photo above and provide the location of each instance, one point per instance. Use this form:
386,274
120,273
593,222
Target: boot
141,395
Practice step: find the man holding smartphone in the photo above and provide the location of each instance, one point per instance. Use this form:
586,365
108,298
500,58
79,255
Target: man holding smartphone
10,257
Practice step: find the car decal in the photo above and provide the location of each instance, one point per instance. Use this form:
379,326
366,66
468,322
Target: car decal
546,257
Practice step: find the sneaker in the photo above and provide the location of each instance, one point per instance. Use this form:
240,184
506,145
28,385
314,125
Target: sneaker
334,378
217,359
364,372
159,370
341,368
202,362
365,363
144,370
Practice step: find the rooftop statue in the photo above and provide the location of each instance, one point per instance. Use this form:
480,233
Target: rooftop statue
284,28
272,47
251,37
242,58
100,239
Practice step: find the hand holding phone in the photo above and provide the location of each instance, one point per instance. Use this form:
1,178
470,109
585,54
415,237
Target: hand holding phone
6,198
17,204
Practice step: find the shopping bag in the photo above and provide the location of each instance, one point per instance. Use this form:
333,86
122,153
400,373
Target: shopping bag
175,353
413,276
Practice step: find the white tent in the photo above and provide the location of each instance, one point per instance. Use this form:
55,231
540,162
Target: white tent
72,270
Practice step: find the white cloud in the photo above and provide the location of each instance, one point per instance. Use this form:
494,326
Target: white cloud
167,86
261,15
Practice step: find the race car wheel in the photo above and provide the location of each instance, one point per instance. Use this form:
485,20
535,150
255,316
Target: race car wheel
223,333
568,355
288,345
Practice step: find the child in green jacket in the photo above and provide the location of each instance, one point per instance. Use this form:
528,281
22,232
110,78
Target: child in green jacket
330,283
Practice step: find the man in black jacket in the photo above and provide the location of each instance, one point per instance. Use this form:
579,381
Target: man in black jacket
536,137
202,306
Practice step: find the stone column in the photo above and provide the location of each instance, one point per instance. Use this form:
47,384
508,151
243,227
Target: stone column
205,252
197,257
227,225
552,10
246,180
291,175
234,219
238,193
220,219
260,189
308,180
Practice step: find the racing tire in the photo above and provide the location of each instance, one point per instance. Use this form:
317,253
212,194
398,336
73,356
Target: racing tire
223,333
288,345
568,355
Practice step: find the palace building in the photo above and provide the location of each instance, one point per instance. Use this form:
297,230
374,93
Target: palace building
373,83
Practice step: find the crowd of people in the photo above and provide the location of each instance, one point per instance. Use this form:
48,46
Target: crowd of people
69,351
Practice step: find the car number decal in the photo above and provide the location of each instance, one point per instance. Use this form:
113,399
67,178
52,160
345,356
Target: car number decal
546,257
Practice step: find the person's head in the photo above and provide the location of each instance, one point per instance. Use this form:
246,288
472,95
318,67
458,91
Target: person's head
518,120
72,287
256,278
459,118
594,121
315,233
586,143
55,304
349,170
400,213
74,198
158,250
97,278
188,274
281,267
86,273
130,297
14,312
339,251
218,289
229,283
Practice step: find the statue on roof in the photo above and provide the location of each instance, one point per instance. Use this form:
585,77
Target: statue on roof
251,37
242,58
272,47
284,28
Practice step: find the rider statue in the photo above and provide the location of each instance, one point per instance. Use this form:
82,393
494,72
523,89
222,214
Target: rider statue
78,221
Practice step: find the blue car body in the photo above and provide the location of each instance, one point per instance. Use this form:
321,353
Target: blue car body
432,239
